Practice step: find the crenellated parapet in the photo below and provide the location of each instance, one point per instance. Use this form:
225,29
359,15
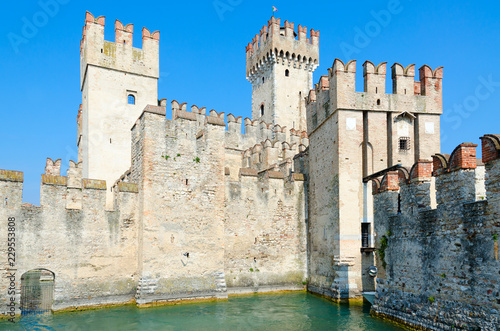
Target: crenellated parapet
78,192
120,54
459,177
272,155
282,45
268,182
338,90
257,131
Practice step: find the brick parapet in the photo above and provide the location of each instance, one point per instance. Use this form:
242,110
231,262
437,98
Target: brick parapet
490,146
421,171
390,182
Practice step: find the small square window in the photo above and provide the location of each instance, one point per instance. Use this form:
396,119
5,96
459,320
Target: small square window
404,143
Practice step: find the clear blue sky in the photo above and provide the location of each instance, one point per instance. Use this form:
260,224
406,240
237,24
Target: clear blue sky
202,60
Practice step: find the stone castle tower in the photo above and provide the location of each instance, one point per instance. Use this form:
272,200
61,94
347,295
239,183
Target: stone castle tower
353,135
280,64
117,82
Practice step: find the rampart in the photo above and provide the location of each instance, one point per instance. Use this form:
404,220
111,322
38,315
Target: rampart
438,267
91,250
184,223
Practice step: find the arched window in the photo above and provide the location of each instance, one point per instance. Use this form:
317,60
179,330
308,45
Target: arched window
262,110
37,292
287,72
131,99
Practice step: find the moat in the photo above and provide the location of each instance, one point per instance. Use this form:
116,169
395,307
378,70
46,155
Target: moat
290,311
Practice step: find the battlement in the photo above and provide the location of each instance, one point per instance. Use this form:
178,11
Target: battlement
256,132
282,45
271,155
338,89
459,177
120,54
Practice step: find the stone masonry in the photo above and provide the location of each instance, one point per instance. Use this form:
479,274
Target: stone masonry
439,266
192,208
352,135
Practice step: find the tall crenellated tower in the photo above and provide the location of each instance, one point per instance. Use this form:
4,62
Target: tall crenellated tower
117,82
352,136
280,64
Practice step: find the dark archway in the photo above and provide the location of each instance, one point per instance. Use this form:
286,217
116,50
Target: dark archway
37,291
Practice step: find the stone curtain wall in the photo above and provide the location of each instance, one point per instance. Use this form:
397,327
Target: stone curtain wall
180,165
181,225
91,251
265,232
441,265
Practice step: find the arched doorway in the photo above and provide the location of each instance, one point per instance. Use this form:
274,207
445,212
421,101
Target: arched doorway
37,291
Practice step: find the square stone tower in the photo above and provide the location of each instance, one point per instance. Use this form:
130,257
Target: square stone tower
117,82
353,135
280,63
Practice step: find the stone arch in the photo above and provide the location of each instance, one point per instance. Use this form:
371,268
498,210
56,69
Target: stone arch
37,291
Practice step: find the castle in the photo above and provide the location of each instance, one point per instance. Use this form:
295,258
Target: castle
157,210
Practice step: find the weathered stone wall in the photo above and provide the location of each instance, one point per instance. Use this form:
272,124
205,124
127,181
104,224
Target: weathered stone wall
180,165
323,206
91,251
176,229
441,264
352,135
265,232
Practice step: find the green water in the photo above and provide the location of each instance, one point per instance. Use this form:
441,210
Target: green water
296,311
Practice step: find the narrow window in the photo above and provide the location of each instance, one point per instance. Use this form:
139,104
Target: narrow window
404,143
399,203
378,102
263,80
186,181
131,99
376,89
365,234
261,110
287,73
405,91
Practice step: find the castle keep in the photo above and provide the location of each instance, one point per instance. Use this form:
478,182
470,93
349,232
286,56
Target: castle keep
157,210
